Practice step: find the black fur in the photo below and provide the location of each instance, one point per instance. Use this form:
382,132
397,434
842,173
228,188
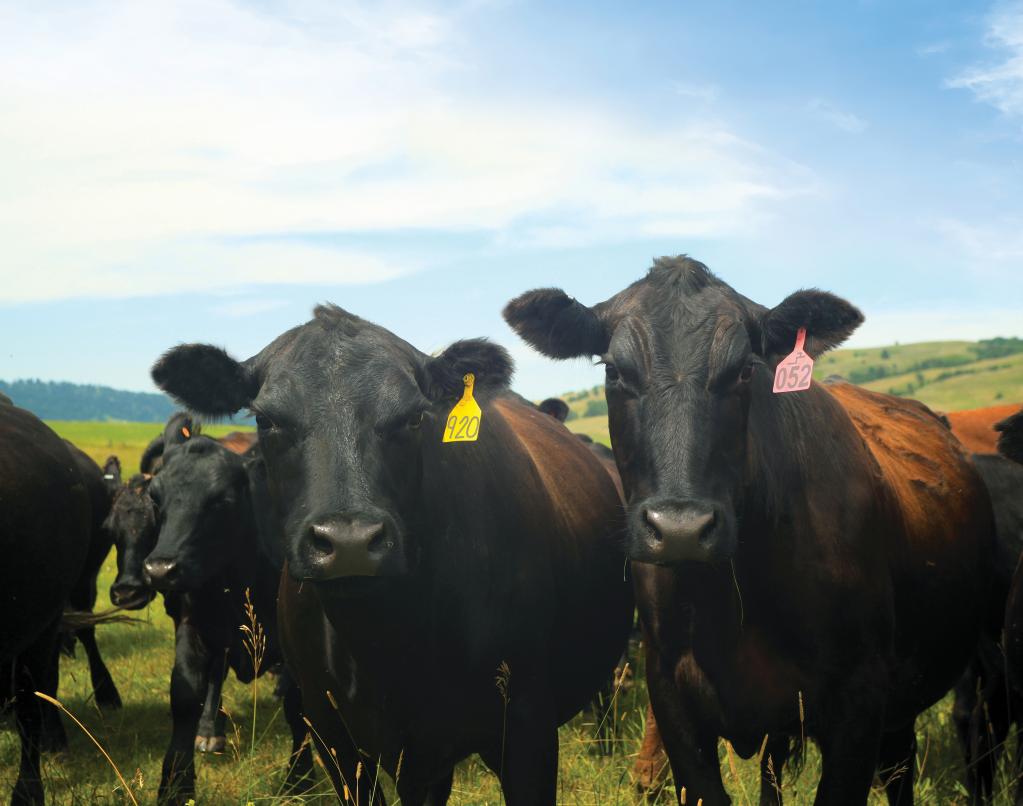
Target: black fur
1010,443
555,407
205,379
829,320
556,324
490,363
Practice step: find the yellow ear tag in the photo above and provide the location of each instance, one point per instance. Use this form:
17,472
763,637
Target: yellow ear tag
463,423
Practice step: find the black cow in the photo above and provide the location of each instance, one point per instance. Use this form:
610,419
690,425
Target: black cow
207,559
813,563
1010,440
985,705
100,485
440,599
45,515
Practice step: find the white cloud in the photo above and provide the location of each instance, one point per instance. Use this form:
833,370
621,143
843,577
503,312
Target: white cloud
698,92
139,138
846,121
1000,83
991,243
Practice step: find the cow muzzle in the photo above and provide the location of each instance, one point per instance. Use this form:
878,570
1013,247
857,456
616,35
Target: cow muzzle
350,546
130,595
669,532
162,574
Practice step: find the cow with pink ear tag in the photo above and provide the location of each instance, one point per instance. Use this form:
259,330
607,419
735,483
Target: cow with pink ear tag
811,560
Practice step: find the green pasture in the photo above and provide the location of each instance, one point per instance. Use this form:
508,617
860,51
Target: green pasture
140,657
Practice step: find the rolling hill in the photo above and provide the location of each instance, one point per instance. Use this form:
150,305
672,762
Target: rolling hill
946,375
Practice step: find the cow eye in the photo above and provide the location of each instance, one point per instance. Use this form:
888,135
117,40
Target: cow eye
414,421
263,423
747,372
611,373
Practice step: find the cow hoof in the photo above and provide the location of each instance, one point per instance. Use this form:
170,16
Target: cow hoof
210,744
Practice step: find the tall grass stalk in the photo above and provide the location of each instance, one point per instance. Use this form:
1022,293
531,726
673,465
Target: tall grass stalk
95,741
503,683
254,640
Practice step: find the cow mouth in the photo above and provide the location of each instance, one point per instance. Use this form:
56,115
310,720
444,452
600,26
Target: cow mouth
354,587
133,598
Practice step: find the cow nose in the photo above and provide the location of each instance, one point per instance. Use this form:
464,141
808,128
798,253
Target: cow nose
679,532
687,525
162,574
342,547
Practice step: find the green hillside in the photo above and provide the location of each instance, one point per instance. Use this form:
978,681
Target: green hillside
946,375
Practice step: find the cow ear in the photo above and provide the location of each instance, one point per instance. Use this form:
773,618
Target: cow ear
1010,441
205,379
829,320
556,324
555,407
489,363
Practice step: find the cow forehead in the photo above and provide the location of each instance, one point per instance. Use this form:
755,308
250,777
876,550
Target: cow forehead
328,369
705,329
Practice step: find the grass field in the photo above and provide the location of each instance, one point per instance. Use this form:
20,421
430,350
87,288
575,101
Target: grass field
140,657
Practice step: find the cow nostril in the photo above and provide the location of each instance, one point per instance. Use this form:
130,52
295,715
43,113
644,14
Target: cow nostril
653,521
376,537
322,545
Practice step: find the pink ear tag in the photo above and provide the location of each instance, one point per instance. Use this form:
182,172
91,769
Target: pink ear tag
794,371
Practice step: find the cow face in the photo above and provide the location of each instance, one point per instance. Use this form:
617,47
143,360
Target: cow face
685,357
132,522
343,408
201,499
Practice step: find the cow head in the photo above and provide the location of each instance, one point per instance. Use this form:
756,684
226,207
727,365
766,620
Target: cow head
132,523
1010,440
202,503
343,408
684,356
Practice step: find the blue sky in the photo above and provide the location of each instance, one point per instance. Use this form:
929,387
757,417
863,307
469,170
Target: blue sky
211,170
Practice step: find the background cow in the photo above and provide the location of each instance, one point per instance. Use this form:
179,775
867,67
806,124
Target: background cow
45,511
209,564
418,572
83,595
815,563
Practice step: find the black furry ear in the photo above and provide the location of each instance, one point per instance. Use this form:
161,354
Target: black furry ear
829,320
205,379
1010,443
555,407
555,324
490,363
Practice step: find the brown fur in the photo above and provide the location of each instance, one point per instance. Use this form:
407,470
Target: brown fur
975,428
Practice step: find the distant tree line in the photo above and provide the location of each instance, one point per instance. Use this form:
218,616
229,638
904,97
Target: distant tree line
59,400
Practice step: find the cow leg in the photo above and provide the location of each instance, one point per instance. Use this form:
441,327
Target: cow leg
54,738
300,765
528,767
897,764
436,794
31,669
775,755
189,684
210,735
850,752
967,697
107,696
692,746
651,768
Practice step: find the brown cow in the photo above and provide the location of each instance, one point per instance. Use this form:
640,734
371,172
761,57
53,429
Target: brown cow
975,428
814,563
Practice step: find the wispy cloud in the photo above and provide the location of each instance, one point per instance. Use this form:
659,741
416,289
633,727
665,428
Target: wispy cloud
140,138
933,48
1000,83
699,92
990,243
841,119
